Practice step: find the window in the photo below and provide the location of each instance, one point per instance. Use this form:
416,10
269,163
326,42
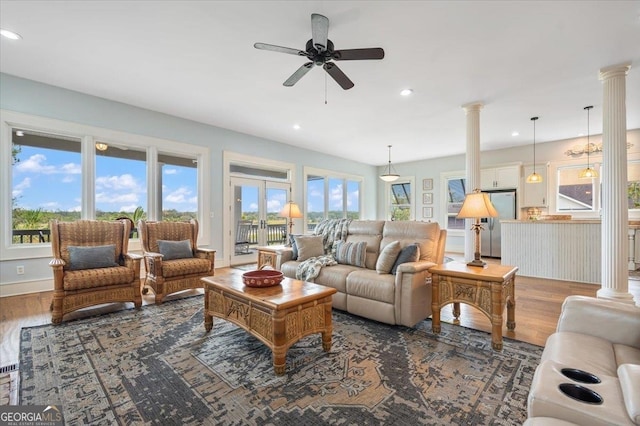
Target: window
121,184
633,185
69,171
400,206
330,196
574,194
179,187
46,183
456,190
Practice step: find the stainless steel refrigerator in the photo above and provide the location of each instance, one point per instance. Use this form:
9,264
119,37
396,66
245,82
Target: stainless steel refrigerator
505,204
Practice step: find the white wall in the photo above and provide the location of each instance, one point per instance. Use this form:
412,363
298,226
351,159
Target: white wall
33,98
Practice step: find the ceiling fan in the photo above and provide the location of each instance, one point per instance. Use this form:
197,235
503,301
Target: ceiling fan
319,50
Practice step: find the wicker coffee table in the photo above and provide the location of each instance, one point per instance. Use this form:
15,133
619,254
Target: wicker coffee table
279,316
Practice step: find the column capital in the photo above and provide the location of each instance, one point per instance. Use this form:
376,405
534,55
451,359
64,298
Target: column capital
614,70
472,106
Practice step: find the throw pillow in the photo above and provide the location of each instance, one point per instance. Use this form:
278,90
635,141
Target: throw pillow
388,257
309,246
175,249
351,253
410,253
92,257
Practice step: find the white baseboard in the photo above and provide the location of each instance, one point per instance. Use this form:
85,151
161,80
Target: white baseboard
26,287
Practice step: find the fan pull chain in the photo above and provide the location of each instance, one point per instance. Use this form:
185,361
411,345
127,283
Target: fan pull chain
325,88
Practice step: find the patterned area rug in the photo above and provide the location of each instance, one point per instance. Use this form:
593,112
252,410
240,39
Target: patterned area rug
157,365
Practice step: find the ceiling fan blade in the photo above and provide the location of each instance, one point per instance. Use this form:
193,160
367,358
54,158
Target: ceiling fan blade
319,31
274,48
298,74
358,54
337,74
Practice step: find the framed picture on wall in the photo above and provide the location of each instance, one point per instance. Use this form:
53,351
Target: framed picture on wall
427,198
427,212
427,184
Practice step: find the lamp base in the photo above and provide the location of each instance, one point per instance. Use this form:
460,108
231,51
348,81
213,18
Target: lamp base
477,262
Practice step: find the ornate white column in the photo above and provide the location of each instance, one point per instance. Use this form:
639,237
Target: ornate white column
472,166
615,213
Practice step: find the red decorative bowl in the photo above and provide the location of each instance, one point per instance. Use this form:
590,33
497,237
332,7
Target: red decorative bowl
262,278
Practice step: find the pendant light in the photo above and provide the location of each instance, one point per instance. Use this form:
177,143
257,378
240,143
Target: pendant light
588,173
534,177
389,175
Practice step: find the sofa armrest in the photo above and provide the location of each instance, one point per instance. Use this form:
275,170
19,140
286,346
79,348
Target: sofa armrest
283,255
413,267
610,320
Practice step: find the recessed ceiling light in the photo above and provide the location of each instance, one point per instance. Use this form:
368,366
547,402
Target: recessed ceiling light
19,133
515,133
10,34
296,127
406,92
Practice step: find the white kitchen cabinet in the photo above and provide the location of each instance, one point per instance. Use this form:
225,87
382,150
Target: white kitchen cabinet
535,194
500,178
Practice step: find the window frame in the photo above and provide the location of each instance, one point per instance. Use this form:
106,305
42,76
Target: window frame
443,212
412,199
89,135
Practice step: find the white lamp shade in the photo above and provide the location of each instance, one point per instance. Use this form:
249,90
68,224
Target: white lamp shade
291,210
477,205
389,177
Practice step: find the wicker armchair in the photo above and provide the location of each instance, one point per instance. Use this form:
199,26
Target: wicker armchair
91,266
172,259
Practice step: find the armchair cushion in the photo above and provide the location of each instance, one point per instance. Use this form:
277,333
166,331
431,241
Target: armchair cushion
180,267
95,278
171,250
92,257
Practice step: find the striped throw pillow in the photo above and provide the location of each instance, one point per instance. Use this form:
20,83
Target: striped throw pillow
351,253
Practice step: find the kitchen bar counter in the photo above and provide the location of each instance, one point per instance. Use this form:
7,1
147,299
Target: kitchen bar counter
568,250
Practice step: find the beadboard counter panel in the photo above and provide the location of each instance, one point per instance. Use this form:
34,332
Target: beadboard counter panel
567,250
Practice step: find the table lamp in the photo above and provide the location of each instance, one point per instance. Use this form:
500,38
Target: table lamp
477,205
290,211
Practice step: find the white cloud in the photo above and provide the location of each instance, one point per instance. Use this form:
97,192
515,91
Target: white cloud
76,209
193,200
18,188
129,209
102,197
35,164
170,171
180,195
117,183
274,206
71,168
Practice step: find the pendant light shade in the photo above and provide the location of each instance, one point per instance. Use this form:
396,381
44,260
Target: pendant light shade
389,174
534,177
588,173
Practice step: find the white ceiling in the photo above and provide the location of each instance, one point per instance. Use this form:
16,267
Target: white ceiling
195,59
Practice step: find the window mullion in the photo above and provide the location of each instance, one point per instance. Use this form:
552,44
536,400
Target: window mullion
88,166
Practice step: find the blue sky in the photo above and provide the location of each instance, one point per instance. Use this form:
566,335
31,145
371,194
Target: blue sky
51,180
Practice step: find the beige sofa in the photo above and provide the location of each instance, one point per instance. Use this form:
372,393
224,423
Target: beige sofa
596,336
403,298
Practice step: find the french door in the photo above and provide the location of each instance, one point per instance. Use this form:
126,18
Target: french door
255,216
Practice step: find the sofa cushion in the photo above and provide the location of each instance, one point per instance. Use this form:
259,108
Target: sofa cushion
388,257
626,354
410,253
369,284
294,246
629,375
351,253
309,246
336,276
175,249
92,257
592,354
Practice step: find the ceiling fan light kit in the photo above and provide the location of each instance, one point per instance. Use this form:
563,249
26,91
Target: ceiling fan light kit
320,52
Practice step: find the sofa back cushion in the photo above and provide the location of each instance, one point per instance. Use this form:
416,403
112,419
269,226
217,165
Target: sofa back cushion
425,234
369,231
